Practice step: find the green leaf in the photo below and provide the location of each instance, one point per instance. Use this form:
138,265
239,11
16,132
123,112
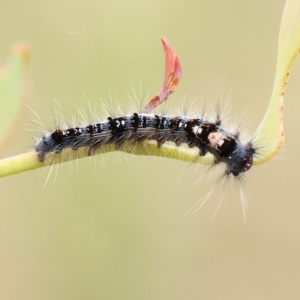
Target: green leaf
270,133
13,92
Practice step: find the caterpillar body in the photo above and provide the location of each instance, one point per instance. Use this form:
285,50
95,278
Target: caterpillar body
208,137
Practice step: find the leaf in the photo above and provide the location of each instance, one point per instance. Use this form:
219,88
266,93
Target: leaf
270,134
172,76
13,94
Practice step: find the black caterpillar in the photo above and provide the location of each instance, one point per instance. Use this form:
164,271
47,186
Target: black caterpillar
206,136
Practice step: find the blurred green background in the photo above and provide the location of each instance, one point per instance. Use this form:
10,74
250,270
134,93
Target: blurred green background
114,227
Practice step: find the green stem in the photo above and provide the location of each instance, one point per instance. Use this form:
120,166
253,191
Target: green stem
29,161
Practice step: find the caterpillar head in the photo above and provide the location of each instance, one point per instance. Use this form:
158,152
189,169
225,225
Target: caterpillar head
240,160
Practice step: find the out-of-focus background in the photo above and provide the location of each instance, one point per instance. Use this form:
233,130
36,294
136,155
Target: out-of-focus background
115,228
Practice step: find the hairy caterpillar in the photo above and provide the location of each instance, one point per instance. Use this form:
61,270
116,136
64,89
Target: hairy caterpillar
207,136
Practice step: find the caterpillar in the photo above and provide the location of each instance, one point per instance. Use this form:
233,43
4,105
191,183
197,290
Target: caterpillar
208,137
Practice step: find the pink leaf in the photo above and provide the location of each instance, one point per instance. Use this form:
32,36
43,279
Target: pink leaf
171,80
